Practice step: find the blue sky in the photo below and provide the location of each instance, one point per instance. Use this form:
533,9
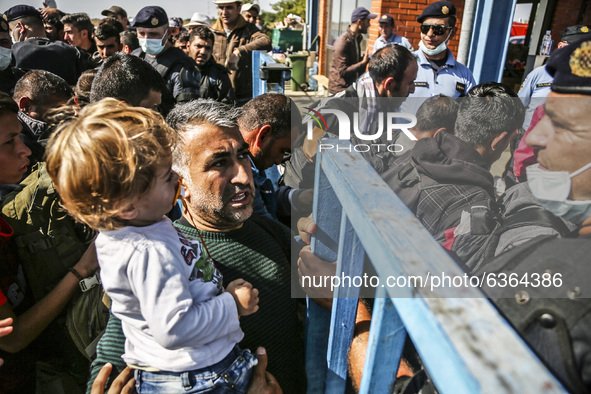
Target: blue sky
181,8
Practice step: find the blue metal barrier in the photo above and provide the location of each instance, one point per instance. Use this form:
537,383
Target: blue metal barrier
466,346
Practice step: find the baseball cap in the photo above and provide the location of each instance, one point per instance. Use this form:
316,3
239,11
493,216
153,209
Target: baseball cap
360,13
114,10
249,6
386,19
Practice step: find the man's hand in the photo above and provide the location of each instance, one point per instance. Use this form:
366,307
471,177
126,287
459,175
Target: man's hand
365,59
123,384
310,265
262,382
232,63
49,12
246,297
306,228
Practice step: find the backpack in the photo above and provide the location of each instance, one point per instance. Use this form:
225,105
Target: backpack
49,242
553,317
484,219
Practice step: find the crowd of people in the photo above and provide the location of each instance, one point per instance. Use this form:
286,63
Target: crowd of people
144,246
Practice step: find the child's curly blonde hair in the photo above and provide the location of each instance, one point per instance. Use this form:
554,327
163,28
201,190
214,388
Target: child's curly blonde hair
104,160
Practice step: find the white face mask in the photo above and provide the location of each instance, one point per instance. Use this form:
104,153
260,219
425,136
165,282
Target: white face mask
5,58
552,188
153,46
432,52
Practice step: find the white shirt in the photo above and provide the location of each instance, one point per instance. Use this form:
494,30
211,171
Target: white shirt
170,300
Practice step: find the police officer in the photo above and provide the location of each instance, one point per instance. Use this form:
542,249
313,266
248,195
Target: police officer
439,72
536,86
8,74
152,31
33,50
387,35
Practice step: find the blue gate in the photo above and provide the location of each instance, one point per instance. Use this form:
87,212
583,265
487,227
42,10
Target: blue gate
466,346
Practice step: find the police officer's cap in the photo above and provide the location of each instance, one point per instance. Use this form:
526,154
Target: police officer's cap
386,19
151,16
574,33
571,68
21,11
439,9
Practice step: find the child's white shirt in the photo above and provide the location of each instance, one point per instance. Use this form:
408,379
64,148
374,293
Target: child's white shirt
174,312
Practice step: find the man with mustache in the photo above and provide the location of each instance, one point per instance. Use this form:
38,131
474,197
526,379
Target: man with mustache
213,161
215,82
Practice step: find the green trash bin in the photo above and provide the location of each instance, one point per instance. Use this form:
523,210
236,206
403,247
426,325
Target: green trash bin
298,71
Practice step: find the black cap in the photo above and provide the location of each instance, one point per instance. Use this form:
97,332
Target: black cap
386,19
574,33
360,13
151,16
571,68
20,11
114,10
439,9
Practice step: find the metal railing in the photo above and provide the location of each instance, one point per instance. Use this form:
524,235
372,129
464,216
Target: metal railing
464,343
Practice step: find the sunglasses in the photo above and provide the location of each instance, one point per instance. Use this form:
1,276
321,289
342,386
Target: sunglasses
437,29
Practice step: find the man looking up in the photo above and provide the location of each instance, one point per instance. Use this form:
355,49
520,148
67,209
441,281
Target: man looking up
387,35
347,62
235,39
215,82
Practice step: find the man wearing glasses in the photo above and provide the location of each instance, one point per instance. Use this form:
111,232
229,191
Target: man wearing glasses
235,39
439,72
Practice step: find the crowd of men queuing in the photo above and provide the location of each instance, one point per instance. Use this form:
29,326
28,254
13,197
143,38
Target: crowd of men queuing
59,69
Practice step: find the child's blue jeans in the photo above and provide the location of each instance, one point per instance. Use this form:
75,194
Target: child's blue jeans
231,375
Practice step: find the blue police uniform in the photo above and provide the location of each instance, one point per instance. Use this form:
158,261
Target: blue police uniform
533,92
394,39
453,79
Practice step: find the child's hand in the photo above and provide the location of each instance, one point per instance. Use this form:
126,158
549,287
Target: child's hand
245,296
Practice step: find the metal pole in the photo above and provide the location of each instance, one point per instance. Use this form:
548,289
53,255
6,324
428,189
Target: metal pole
466,33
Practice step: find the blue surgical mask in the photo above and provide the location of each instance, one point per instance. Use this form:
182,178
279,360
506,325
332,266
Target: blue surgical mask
552,188
5,58
153,46
432,52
